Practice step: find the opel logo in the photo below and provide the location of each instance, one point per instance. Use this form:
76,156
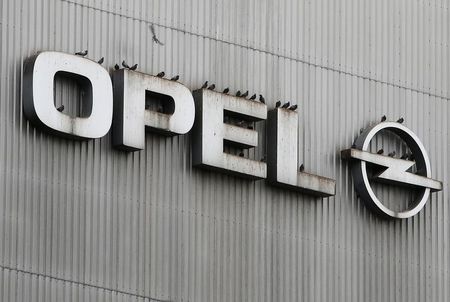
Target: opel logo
391,170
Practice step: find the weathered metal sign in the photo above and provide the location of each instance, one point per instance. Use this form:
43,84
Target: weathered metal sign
217,119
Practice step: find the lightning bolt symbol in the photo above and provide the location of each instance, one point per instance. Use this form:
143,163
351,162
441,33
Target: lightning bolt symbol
396,170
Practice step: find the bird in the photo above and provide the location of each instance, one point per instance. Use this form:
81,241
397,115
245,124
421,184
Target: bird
226,90
381,151
245,94
102,59
383,118
404,156
301,168
392,154
238,93
361,130
124,64
277,104
400,120
212,87
134,67
60,108
293,107
261,99
154,38
175,78
253,97
116,67
82,53
205,85
241,154
161,74
286,105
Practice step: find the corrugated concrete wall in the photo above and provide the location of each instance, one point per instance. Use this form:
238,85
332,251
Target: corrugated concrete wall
80,221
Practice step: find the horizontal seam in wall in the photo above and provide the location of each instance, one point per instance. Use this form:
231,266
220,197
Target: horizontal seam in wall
81,284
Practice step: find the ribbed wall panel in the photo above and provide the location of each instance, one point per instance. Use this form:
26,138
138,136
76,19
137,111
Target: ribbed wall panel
81,221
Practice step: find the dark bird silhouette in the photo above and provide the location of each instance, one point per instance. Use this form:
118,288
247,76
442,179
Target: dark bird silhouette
381,151
361,130
301,168
154,38
212,87
293,107
253,97
205,85
400,120
125,65
383,118
102,59
175,78
60,108
82,53
238,93
245,94
285,105
241,154
262,99
392,154
277,104
161,74
134,67
404,156
226,90
116,67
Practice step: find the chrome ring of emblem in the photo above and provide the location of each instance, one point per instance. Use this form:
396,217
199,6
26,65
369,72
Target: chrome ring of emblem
361,179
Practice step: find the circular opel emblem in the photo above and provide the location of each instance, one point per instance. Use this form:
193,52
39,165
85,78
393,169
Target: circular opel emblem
391,170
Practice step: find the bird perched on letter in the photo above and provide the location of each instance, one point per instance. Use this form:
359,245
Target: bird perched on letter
161,74
391,154
253,97
212,87
261,99
226,90
175,78
134,67
293,107
286,105
400,120
383,118
277,104
82,53
125,65
205,85
102,59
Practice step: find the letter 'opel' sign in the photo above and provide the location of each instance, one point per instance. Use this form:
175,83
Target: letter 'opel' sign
219,121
